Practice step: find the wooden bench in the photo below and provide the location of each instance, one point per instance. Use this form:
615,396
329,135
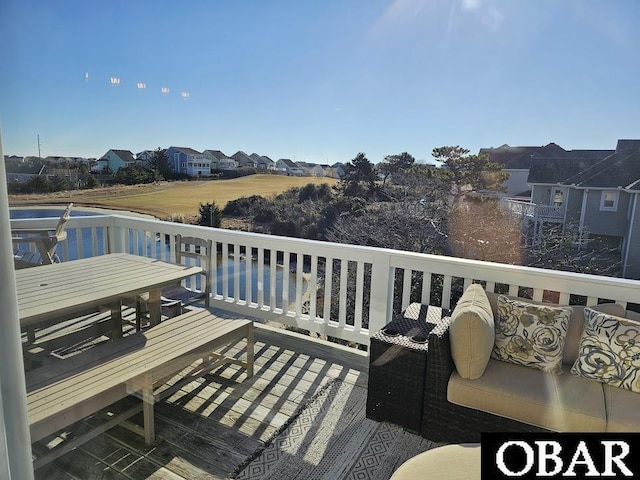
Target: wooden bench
61,394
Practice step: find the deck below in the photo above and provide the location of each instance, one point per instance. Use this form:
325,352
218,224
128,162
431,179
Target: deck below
207,428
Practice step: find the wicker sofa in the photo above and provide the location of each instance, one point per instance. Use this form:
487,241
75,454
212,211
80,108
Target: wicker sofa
503,396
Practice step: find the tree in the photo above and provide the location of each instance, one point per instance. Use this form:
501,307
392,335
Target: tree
210,215
160,163
91,182
135,174
466,171
359,178
393,164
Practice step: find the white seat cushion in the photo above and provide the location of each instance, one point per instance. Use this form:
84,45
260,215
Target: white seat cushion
563,403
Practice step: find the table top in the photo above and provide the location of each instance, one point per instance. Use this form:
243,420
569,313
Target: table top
61,289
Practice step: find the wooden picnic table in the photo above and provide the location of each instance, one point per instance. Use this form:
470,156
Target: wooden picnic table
62,290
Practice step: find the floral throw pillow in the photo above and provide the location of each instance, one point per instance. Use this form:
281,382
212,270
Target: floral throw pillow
531,335
609,350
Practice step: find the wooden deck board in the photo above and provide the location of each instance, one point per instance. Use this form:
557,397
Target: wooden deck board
211,424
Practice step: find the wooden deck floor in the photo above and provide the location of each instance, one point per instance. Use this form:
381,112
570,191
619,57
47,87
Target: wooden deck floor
210,426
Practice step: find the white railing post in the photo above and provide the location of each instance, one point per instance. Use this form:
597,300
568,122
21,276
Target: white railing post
381,303
117,237
15,448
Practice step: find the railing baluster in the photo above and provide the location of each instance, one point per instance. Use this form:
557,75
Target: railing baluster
425,296
312,287
538,294
236,272
225,271
357,321
299,277
285,281
342,312
406,288
94,242
273,269
260,281
248,277
328,283
446,291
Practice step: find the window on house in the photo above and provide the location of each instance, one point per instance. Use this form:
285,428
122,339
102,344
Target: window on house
609,201
558,197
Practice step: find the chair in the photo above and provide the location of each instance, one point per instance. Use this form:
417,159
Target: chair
189,251
46,242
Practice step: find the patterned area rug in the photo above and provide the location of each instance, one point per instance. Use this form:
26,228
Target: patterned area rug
330,438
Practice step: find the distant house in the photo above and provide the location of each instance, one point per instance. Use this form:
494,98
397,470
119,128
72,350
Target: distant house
259,161
115,160
145,155
601,197
15,159
188,161
271,165
58,160
335,171
219,161
517,162
311,169
289,167
243,159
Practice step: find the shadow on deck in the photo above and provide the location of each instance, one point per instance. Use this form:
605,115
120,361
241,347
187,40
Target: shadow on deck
210,427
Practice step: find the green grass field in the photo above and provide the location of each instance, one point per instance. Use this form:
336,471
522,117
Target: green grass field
163,200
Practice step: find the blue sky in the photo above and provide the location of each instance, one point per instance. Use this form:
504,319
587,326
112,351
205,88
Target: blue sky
317,81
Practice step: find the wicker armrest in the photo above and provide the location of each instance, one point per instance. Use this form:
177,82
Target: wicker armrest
439,367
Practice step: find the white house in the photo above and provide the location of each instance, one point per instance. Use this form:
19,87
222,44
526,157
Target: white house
219,161
116,159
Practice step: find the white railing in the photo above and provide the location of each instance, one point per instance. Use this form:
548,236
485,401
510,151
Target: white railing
345,291
534,211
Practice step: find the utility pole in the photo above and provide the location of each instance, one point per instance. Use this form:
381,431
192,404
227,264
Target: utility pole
39,155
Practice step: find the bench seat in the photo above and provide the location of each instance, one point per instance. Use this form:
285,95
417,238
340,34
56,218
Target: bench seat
61,394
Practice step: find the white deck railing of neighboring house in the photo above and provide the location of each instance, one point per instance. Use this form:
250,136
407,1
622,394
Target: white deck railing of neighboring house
346,291
549,213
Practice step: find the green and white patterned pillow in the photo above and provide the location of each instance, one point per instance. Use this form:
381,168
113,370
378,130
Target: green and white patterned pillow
531,335
609,350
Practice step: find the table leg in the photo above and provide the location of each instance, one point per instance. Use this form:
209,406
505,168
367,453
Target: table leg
155,309
116,319
148,400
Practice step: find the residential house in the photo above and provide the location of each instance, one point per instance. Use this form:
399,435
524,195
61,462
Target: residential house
271,165
259,161
335,171
311,169
517,162
188,161
219,161
289,167
116,159
15,159
244,160
145,155
58,160
600,197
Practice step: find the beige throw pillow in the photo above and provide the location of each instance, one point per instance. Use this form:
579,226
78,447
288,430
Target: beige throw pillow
471,333
609,350
531,335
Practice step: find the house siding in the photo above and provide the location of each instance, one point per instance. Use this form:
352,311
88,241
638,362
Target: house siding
606,222
574,206
632,267
517,181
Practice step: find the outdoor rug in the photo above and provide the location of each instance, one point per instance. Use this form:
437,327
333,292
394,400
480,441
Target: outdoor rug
330,438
